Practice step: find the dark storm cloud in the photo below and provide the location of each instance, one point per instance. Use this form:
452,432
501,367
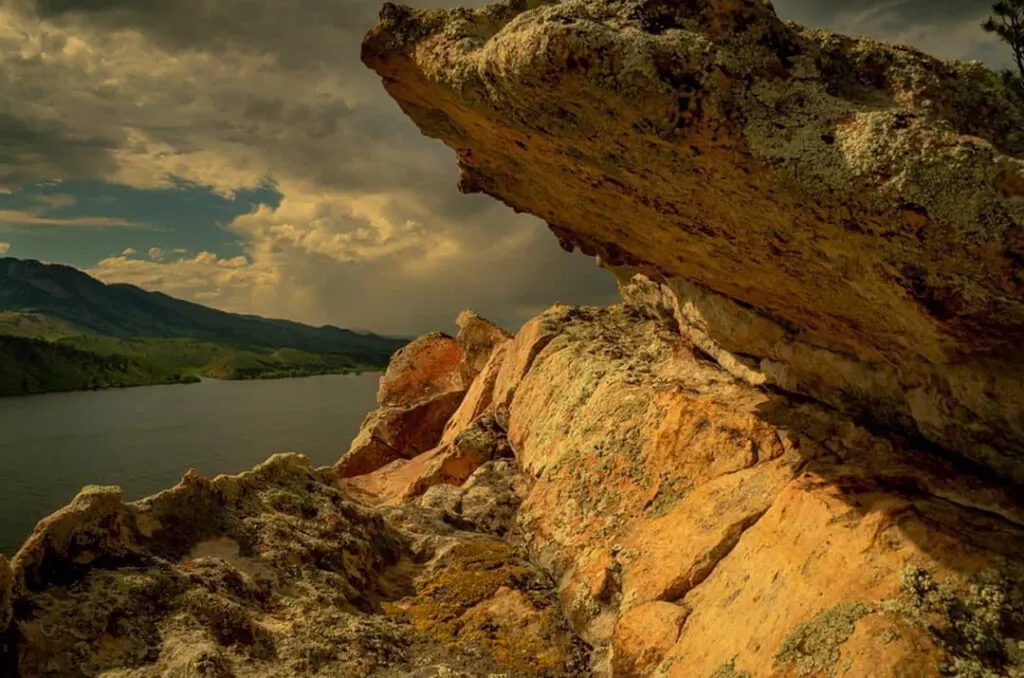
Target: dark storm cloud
371,230
32,151
817,13
300,33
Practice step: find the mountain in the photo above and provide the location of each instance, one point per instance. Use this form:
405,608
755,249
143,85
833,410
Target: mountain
165,339
66,294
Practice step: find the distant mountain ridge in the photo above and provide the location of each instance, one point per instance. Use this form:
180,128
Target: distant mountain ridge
126,311
128,336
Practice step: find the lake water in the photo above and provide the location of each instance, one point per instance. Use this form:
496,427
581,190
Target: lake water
145,438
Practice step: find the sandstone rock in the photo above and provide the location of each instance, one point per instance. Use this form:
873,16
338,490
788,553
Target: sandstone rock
644,635
836,217
450,463
480,396
488,502
392,433
270,573
477,337
491,497
658,478
425,368
423,387
481,442
483,594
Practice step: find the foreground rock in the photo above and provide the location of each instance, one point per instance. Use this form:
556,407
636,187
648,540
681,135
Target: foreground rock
657,516
424,384
835,217
273,573
698,526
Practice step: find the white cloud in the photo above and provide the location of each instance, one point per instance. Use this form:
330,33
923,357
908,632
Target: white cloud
25,218
366,261
231,284
5,247
155,253
128,252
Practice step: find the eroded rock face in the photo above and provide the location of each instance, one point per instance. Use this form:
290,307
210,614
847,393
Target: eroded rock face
659,517
425,383
835,217
698,525
451,463
275,572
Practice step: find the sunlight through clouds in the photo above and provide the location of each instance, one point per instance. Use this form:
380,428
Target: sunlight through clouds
370,229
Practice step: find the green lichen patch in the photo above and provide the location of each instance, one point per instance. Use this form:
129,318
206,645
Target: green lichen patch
813,647
728,670
979,622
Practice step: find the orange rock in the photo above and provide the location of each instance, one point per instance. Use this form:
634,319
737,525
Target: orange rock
883,646
477,337
762,196
450,463
392,433
423,387
659,479
828,553
425,368
480,396
644,635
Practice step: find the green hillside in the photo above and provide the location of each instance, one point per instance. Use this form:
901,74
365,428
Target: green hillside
69,297
77,332
38,366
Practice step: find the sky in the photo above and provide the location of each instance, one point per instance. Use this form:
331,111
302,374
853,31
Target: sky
237,153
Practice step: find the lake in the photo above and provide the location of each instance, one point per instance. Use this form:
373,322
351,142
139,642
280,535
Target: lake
145,438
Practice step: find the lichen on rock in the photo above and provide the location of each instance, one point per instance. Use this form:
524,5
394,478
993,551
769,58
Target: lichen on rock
756,465
852,207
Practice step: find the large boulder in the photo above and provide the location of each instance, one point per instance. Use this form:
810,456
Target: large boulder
781,529
273,572
424,385
832,216
699,525
423,369
451,463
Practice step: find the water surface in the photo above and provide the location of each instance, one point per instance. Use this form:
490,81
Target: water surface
145,438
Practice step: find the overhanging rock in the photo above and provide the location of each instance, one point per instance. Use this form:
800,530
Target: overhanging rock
832,216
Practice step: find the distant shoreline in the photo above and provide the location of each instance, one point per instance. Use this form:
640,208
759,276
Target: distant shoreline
191,379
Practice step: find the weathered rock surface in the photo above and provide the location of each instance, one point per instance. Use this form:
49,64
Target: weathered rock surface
660,517
832,216
273,573
450,463
423,386
697,525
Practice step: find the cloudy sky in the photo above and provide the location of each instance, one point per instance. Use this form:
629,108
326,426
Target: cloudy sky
236,153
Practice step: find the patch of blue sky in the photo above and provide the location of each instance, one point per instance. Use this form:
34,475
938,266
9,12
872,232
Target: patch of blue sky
80,222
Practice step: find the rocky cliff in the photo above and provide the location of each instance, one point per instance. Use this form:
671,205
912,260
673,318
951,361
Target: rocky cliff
794,449
831,216
605,500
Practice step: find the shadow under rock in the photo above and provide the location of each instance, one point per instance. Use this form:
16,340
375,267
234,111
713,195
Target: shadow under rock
871,467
